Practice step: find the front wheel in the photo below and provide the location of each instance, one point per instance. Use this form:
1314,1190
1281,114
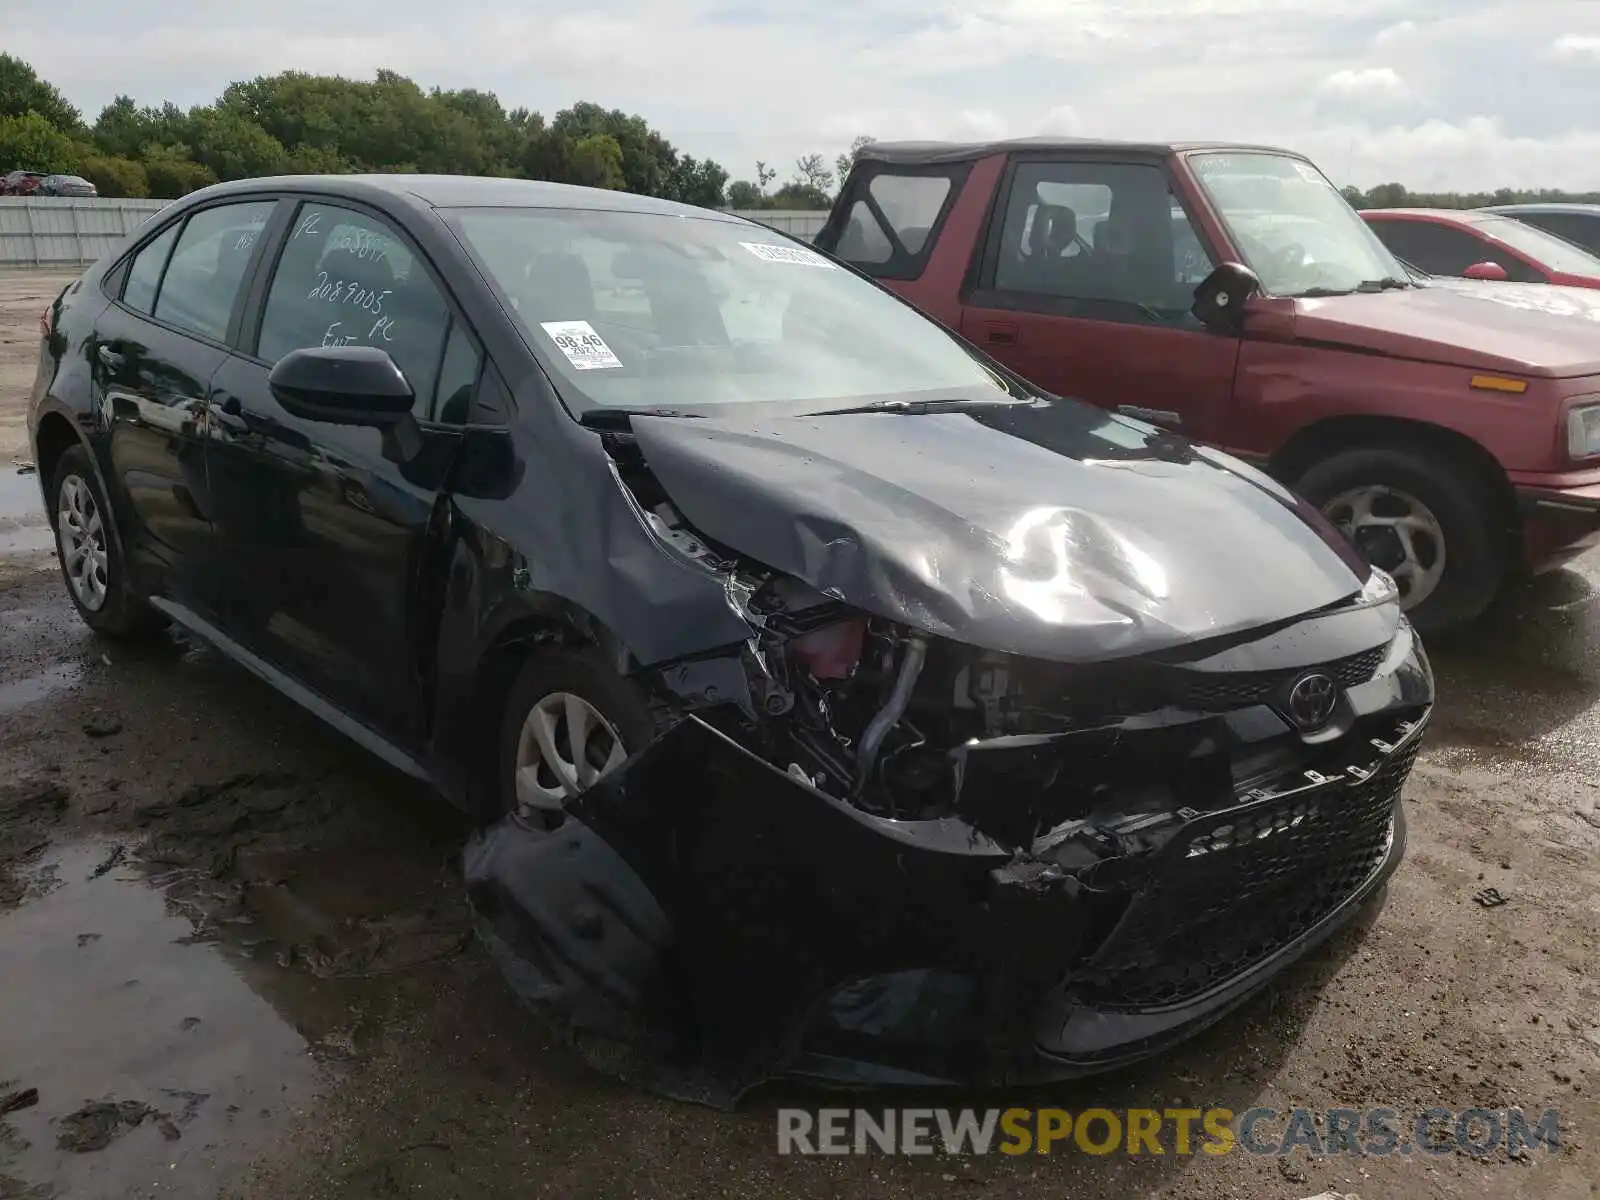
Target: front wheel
570,719
1426,518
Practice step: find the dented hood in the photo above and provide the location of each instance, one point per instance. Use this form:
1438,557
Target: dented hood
1052,530
1522,328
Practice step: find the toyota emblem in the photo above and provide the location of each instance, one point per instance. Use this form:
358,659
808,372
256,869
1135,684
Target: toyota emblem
1311,700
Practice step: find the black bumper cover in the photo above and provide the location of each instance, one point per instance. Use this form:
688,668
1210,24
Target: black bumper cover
747,926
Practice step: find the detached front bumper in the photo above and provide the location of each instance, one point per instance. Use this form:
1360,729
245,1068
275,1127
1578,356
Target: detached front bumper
806,937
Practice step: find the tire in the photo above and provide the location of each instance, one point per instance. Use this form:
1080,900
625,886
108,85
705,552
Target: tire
90,554
1458,501
584,675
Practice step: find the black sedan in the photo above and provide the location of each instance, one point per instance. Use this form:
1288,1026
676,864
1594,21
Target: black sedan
833,702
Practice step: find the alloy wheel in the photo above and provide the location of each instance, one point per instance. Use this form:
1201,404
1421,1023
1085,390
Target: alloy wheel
83,542
1396,532
564,747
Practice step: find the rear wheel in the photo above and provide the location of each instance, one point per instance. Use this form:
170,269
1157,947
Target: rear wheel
1426,518
91,554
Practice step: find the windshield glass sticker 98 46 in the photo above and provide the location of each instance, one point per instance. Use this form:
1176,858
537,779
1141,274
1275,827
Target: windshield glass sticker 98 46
798,255
585,349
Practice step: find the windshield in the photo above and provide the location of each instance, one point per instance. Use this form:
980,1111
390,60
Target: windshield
1550,251
1293,227
647,310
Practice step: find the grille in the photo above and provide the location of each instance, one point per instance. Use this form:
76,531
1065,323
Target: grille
1238,689
1235,888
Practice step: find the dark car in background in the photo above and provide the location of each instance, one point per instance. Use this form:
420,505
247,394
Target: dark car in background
838,704
1577,223
1231,293
20,183
1474,244
67,185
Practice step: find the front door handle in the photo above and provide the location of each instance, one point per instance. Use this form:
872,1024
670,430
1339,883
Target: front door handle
109,358
229,415
1000,333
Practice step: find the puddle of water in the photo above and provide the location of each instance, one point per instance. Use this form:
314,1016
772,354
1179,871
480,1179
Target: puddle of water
26,539
23,527
19,693
105,1001
19,494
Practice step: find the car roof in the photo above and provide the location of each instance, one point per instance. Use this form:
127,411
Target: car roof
463,191
913,153
1511,210
1454,216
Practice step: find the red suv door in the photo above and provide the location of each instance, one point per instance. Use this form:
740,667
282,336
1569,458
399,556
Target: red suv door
1085,284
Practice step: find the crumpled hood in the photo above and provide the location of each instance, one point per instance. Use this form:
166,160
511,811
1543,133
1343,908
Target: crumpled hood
1051,531
1522,328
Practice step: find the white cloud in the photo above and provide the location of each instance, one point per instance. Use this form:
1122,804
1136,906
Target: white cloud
1574,45
1480,92
1364,83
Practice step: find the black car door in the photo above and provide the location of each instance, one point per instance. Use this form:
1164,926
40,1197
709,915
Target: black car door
324,532
156,347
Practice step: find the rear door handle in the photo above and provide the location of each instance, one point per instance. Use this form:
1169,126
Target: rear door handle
1000,333
109,357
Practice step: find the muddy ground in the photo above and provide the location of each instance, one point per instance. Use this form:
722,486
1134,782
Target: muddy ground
234,957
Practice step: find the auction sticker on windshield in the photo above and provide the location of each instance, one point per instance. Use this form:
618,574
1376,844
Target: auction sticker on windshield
798,255
585,349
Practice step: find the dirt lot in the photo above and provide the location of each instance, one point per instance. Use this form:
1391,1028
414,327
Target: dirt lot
234,958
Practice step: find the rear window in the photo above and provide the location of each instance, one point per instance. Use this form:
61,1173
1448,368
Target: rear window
890,216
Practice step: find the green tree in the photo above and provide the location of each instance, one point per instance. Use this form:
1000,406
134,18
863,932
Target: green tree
697,182
114,176
30,142
743,194
1387,195
23,92
596,161
232,146
648,158
172,173
844,162
798,195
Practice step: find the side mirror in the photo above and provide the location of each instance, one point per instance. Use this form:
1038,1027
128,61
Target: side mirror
342,385
1486,270
1219,300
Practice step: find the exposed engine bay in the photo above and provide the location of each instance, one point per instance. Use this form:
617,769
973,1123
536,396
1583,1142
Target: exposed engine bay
930,858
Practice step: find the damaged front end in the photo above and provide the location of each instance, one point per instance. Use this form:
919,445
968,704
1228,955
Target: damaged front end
867,854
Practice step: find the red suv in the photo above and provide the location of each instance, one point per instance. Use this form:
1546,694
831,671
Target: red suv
1482,245
1231,294
20,183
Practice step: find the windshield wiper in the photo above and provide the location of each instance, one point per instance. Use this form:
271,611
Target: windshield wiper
612,419
1383,285
1318,293
916,408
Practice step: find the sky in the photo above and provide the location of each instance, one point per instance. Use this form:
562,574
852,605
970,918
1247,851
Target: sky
1435,94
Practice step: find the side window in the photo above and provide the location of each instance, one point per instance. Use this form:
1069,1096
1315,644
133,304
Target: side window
911,204
1580,231
1190,261
348,279
144,273
458,377
208,265
864,240
1437,249
892,214
1107,234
